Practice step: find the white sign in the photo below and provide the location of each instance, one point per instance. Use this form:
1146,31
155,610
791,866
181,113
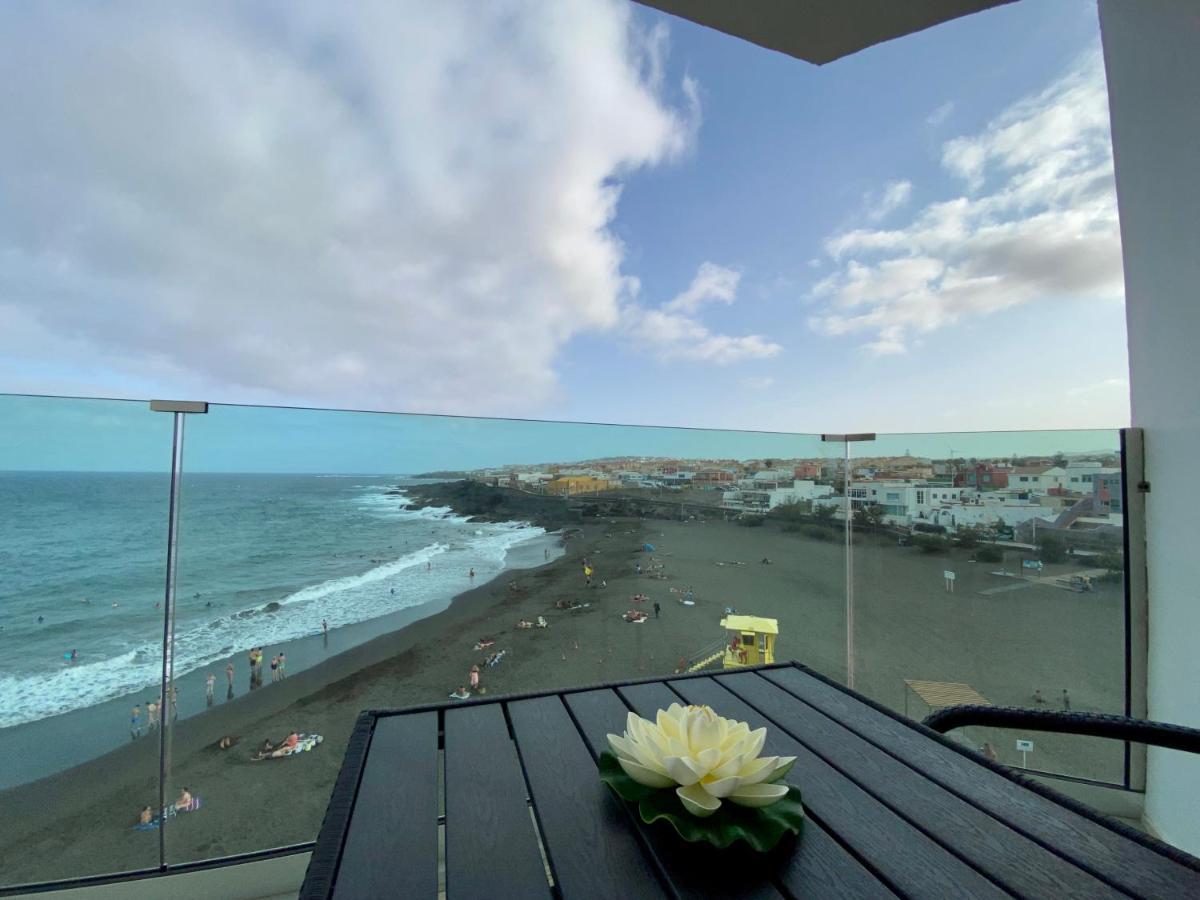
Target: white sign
1025,746
948,575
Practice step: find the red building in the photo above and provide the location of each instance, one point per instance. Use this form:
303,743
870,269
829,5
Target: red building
984,477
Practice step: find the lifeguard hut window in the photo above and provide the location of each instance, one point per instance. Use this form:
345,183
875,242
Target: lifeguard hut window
762,643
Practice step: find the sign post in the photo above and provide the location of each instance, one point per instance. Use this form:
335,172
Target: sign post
1026,747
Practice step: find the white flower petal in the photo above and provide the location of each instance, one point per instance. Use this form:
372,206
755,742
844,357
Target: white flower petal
645,776
698,801
620,746
730,766
758,794
722,787
708,759
683,769
757,770
782,766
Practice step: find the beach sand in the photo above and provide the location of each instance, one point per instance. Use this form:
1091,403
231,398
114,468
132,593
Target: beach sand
1004,644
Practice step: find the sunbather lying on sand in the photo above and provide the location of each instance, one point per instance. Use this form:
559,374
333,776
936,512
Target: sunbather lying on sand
483,643
524,623
461,694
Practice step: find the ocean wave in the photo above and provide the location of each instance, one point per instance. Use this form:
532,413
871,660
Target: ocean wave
437,571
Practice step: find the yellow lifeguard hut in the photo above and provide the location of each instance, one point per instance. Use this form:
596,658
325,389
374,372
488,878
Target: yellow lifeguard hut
751,640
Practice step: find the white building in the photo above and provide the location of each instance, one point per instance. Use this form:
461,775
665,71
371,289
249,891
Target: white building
766,499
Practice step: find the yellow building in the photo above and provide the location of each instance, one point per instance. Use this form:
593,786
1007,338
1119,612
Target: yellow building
569,485
751,640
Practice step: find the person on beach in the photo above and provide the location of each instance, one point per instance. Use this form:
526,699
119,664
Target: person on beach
208,688
656,608
988,751
135,723
229,674
473,678
146,816
74,655
472,575
275,668
324,628
184,802
282,665
1037,696
151,714
174,703
1066,699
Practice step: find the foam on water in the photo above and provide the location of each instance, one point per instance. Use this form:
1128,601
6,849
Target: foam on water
435,571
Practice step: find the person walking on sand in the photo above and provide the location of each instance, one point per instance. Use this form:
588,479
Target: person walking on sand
174,695
473,678
282,665
324,628
208,688
1066,699
656,608
135,723
151,715
274,668
472,575
229,674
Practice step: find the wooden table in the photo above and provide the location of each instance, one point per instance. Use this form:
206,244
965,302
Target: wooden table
508,788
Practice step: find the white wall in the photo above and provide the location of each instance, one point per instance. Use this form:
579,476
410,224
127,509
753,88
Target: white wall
1152,53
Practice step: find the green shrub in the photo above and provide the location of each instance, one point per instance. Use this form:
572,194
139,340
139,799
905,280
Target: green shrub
1113,562
751,521
926,528
930,543
820,533
968,537
989,555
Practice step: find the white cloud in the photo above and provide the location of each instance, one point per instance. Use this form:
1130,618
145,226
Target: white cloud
1118,386
941,114
674,332
711,282
895,195
407,207
1040,222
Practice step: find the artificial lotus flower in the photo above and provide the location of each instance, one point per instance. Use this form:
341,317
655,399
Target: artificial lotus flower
705,757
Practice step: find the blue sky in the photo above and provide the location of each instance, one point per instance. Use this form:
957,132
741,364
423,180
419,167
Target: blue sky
598,214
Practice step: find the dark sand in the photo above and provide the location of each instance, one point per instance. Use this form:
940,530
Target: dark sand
907,626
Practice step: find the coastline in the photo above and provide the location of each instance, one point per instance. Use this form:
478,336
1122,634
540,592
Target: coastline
48,746
78,821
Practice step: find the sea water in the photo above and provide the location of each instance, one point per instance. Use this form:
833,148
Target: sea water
263,559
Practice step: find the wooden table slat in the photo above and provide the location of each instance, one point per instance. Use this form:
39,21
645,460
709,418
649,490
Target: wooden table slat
491,845
391,846
818,866
585,830
1010,858
690,871
910,861
1114,858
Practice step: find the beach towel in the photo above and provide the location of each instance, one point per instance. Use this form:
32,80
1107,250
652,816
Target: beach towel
304,743
169,813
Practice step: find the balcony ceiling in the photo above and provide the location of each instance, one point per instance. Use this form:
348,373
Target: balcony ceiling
820,31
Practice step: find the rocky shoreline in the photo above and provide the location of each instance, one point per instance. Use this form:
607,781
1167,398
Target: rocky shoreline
487,503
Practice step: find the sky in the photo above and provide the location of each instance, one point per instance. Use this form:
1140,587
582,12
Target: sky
576,211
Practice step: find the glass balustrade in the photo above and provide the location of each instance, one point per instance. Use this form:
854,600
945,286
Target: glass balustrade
328,562
336,561
993,575
83,496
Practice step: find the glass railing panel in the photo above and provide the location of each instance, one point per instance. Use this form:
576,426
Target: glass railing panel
83,490
991,565
389,560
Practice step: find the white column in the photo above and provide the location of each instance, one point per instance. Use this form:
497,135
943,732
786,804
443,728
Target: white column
1152,55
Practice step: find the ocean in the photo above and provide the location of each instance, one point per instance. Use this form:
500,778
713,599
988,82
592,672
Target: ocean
263,559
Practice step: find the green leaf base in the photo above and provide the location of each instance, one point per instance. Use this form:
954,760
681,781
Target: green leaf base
761,828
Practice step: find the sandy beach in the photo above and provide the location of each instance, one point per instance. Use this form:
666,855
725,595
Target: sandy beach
1004,643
